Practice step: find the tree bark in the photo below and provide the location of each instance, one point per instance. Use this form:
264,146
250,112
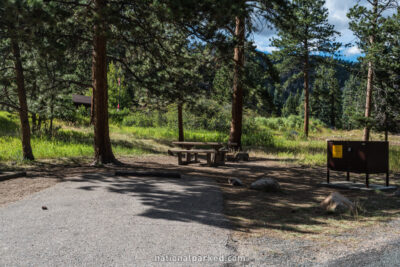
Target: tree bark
368,99
39,124
237,97
34,125
102,144
23,106
181,137
370,78
386,127
333,110
92,108
306,90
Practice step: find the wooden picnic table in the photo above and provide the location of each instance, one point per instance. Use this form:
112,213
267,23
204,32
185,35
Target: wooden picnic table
190,145
215,155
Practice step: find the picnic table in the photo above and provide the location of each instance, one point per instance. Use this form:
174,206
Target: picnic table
189,152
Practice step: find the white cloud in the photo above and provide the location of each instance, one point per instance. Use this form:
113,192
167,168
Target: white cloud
263,44
338,10
351,51
269,49
337,16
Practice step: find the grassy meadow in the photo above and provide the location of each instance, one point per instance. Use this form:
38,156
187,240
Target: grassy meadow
275,138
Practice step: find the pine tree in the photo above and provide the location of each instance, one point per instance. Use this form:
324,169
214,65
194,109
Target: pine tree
353,102
270,10
326,97
290,106
386,101
19,22
308,33
366,25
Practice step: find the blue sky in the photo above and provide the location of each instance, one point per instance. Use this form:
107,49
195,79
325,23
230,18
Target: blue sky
337,16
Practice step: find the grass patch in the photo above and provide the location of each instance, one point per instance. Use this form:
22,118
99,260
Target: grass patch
277,138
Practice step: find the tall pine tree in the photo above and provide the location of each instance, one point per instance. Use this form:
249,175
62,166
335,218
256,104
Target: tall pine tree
308,33
366,23
326,97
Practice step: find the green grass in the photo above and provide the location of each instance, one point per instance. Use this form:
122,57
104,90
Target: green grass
167,134
267,138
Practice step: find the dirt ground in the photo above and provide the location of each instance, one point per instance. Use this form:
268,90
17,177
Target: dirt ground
291,215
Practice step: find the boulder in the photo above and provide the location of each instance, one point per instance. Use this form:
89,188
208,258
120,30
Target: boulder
336,202
266,184
241,156
235,182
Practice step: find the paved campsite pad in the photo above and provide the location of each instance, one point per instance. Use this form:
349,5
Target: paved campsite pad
274,229
104,220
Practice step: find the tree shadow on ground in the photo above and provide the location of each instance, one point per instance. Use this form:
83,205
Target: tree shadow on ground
185,200
195,197
296,209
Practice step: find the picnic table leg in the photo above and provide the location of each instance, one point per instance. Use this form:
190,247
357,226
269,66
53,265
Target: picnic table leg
221,158
209,159
196,158
180,162
188,158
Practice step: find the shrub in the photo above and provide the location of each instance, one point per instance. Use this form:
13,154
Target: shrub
118,116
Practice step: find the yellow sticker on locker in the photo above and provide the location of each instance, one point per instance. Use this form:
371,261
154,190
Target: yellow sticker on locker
337,151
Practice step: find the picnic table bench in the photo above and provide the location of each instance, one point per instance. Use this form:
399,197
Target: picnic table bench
189,153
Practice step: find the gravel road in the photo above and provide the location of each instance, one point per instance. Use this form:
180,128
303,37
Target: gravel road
102,220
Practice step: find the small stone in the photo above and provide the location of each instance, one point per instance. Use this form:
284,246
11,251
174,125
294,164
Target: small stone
266,184
44,208
336,202
235,182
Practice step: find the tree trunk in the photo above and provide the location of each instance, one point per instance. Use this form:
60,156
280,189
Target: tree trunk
333,110
386,128
370,78
92,108
51,114
368,98
237,97
33,115
34,124
180,123
102,144
39,124
51,126
23,106
306,91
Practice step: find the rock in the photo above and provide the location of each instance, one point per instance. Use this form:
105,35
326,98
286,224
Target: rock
266,184
397,193
336,202
241,156
235,182
44,208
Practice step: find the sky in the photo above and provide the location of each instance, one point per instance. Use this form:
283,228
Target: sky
337,16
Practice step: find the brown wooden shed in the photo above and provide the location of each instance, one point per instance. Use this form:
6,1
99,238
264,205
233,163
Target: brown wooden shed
81,100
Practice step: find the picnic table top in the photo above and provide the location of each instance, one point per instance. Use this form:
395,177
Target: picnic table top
198,143
201,143
194,150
